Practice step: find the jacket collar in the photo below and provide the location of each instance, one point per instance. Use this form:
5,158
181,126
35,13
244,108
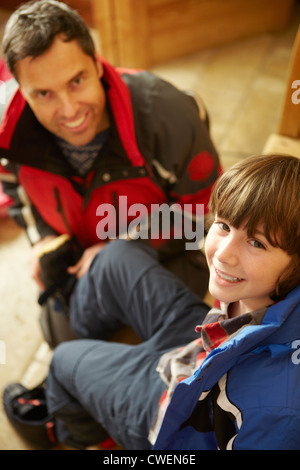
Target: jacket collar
20,128
280,325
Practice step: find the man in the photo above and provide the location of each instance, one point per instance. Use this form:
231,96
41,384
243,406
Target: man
78,134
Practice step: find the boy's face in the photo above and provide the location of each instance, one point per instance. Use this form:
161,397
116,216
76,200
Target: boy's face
242,270
63,89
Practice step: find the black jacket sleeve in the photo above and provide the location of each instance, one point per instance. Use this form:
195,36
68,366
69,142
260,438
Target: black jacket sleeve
172,136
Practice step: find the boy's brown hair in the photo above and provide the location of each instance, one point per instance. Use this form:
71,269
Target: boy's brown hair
265,189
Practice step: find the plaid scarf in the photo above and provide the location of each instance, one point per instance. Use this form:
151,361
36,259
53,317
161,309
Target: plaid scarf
82,157
181,363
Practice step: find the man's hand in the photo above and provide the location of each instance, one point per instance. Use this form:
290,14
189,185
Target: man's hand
82,266
34,262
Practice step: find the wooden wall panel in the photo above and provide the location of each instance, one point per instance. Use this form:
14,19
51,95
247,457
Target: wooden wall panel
141,33
104,23
147,32
123,29
131,20
177,28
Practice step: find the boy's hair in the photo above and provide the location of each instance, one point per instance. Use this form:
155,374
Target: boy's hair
265,189
32,28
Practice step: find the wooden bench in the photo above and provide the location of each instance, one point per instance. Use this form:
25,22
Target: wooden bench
287,138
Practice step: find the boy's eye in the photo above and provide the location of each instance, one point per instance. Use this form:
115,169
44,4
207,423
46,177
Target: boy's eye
223,226
257,244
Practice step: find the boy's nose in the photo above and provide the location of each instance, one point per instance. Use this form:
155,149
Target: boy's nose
227,252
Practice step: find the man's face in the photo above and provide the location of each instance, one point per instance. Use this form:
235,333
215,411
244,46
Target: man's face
64,91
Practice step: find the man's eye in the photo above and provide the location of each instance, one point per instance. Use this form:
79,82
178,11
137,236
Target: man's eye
77,81
43,94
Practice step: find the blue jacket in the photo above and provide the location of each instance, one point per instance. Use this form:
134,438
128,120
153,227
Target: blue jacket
257,377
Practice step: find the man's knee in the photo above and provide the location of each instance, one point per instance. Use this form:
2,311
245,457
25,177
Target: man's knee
110,254
119,248
118,255
108,261
59,358
66,357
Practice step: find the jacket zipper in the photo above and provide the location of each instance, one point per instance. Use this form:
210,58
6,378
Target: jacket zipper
61,211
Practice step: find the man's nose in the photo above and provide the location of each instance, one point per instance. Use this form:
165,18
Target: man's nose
68,105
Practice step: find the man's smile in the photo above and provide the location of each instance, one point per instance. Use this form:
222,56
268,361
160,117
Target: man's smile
77,123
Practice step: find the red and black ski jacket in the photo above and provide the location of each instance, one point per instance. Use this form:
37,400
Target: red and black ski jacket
158,150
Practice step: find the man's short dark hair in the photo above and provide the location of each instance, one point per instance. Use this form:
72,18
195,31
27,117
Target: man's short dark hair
32,28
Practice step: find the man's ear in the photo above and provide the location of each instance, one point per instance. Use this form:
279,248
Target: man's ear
99,67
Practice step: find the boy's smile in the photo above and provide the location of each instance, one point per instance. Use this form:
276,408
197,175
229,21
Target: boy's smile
226,277
243,270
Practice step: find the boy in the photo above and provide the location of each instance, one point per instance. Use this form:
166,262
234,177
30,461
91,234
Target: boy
238,384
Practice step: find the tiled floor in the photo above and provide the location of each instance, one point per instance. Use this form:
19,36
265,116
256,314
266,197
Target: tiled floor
243,86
